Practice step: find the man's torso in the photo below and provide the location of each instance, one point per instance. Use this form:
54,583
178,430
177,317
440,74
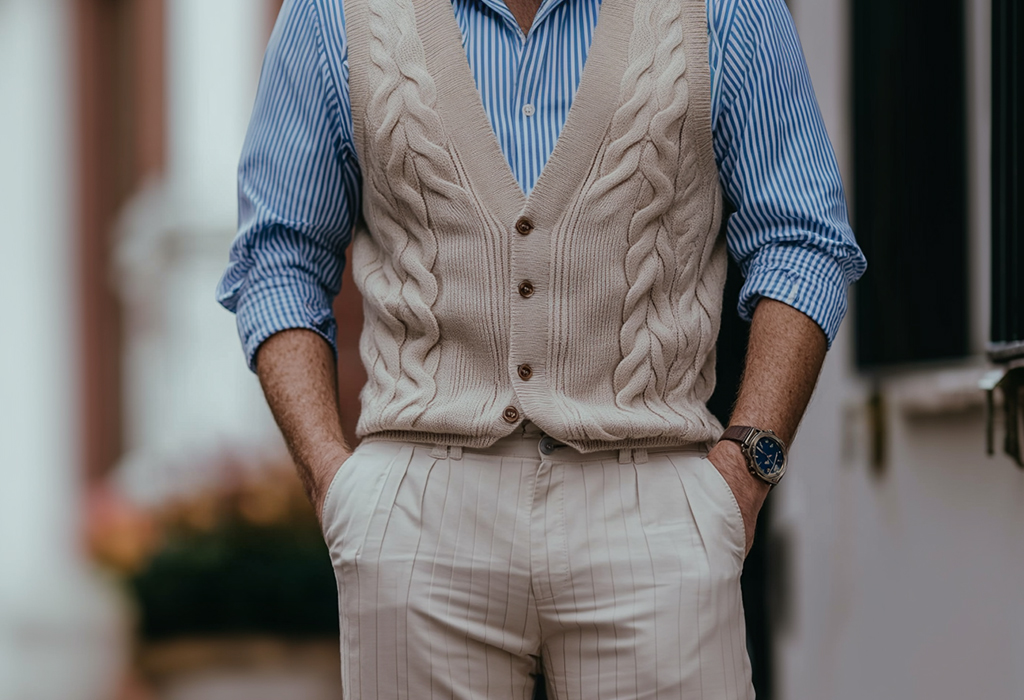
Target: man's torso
598,323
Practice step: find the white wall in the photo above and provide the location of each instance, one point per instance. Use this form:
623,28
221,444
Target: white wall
906,585
59,632
192,405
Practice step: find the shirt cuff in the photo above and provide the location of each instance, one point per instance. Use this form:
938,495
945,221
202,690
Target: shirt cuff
272,306
813,283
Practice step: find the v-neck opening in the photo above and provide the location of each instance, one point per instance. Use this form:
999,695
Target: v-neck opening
462,110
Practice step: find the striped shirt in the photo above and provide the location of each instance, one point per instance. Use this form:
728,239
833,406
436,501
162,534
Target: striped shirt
300,183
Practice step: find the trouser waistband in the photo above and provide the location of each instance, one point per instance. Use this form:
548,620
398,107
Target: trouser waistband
530,441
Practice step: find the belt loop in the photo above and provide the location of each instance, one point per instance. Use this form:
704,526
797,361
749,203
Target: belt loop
439,452
640,455
625,456
455,452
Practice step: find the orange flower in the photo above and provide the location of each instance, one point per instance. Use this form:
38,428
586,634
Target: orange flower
119,534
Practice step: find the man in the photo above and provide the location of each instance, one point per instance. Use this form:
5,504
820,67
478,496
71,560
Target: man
535,483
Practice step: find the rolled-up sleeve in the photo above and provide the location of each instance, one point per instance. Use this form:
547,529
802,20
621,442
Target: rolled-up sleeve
298,188
790,233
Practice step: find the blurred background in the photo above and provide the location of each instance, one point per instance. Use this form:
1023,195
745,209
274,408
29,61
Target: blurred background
154,543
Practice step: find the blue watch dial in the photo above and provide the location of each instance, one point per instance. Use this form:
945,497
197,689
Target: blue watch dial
768,456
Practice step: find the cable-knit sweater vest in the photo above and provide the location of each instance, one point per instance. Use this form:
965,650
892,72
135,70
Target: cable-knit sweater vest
611,343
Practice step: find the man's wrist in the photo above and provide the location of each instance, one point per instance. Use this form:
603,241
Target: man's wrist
731,453
317,468
329,459
763,451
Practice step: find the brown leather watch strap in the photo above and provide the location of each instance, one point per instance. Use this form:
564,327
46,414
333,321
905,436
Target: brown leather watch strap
739,433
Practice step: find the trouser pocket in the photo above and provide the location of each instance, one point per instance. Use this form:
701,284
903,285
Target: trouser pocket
728,500
714,508
362,488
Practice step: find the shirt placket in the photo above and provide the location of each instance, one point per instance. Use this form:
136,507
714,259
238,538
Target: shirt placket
526,99
524,104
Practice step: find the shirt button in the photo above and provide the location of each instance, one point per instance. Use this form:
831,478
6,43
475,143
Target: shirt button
525,372
524,226
528,109
526,289
510,414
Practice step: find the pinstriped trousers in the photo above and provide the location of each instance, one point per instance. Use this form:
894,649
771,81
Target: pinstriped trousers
459,571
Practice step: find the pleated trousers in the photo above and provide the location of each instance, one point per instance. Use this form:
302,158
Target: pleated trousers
463,573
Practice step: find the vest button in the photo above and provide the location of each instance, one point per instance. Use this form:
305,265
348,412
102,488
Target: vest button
510,414
526,289
524,226
525,372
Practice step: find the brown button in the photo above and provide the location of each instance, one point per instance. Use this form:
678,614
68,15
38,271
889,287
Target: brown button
524,226
525,372
526,289
510,414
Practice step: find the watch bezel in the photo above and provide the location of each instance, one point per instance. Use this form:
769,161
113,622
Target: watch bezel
749,445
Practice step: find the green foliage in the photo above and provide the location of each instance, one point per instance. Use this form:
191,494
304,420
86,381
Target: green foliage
239,578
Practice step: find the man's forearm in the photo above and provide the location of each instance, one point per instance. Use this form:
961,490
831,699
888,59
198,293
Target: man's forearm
784,356
299,378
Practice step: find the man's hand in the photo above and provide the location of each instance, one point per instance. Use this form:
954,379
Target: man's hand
299,378
749,491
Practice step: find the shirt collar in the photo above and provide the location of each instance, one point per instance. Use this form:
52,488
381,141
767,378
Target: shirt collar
499,7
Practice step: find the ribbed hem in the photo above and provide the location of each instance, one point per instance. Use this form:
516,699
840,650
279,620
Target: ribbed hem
482,442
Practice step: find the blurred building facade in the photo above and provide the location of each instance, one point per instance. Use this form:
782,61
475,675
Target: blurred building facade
122,125
895,570
49,605
900,570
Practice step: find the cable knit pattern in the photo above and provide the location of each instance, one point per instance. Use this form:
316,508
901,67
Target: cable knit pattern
619,320
654,100
414,172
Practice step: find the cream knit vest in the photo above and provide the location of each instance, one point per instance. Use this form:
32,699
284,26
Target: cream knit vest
624,258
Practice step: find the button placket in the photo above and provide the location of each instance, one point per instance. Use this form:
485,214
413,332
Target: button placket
528,243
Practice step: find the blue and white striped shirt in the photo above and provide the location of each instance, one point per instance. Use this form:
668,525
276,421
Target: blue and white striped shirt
299,178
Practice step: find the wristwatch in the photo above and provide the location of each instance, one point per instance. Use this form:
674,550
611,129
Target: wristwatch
764,451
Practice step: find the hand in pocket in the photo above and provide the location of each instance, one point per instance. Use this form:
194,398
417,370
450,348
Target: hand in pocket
323,478
747,489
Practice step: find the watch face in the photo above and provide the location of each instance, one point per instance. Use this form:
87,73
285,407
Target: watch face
769,457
